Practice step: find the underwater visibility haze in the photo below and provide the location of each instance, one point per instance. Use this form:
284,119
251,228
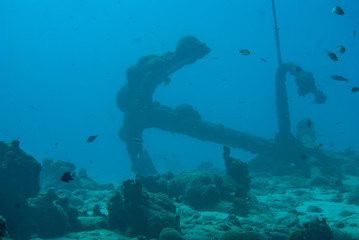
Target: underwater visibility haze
76,87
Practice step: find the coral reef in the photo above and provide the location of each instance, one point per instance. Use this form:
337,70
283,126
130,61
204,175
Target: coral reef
207,204
138,212
19,180
29,210
204,191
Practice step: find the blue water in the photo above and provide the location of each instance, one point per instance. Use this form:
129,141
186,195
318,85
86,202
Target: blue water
63,61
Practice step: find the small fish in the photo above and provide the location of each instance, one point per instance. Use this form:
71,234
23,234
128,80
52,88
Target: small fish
320,145
341,49
303,156
67,177
264,60
338,10
138,140
91,138
333,56
245,52
354,33
355,89
339,78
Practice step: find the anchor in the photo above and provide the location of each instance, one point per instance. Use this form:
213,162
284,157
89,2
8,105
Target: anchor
141,112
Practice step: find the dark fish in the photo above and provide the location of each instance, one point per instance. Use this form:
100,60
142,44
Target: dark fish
244,51
354,33
264,60
303,156
355,89
338,10
341,49
339,78
320,145
67,177
333,56
91,138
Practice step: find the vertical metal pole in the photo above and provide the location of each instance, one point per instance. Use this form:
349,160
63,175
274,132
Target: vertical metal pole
276,32
281,92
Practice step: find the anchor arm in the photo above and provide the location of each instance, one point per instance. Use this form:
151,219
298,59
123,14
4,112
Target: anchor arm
164,118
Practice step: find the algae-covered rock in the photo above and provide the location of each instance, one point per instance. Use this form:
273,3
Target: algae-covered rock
313,230
17,171
318,229
19,180
353,197
236,235
238,171
3,230
51,219
170,234
138,212
90,223
52,222
155,183
198,188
